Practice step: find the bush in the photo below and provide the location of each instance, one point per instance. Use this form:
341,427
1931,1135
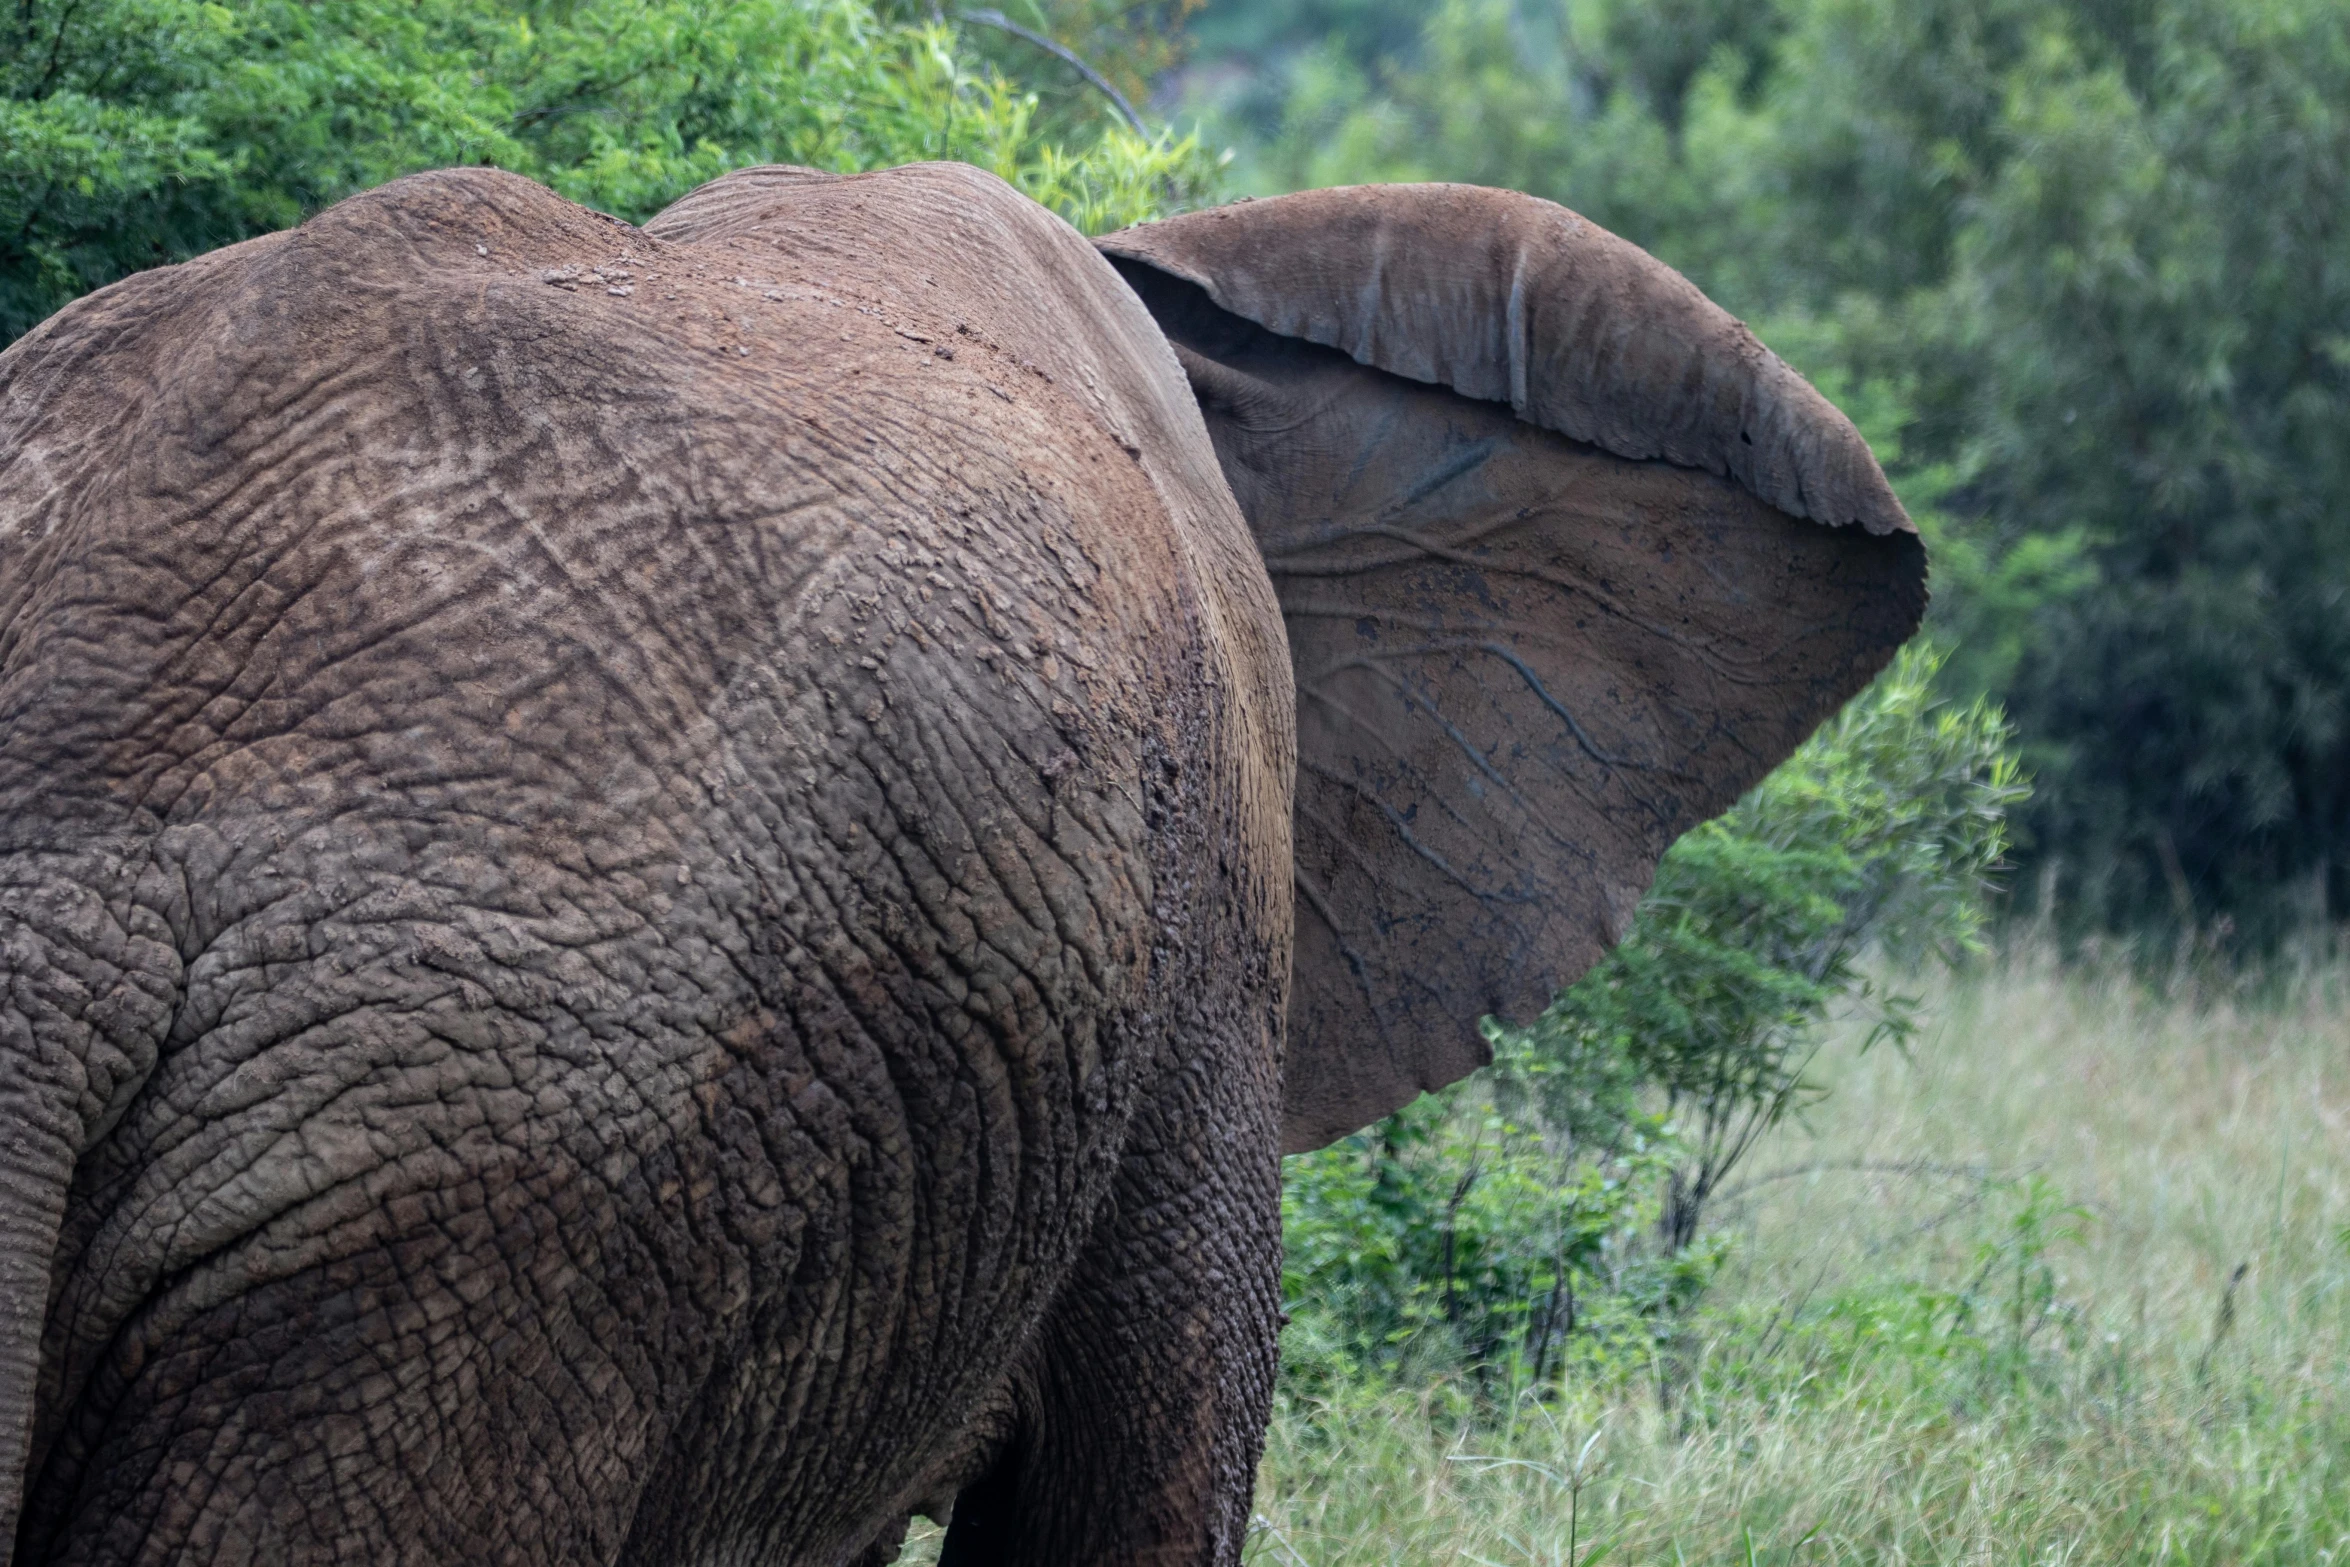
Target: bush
1452,1237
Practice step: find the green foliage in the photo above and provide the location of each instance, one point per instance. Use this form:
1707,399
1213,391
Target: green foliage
1452,1236
2169,373
138,132
1546,1215
2109,240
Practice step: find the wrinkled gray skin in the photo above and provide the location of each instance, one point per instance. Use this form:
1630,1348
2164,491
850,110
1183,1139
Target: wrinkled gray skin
646,877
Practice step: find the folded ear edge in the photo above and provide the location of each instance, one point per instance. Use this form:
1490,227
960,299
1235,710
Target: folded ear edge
1508,298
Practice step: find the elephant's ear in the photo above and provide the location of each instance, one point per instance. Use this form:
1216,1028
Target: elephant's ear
1568,562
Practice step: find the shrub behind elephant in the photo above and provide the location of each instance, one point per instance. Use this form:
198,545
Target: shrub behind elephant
653,884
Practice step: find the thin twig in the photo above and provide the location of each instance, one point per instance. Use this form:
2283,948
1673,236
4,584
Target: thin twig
1972,1200
2226,1321
1063,53
1971,1172
1260,1524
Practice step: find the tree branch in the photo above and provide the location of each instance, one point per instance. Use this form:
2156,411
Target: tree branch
1063,53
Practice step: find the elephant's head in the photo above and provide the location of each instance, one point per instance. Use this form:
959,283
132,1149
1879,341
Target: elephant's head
1568,561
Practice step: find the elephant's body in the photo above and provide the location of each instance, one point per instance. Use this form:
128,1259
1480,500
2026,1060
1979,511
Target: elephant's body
657,833
662,893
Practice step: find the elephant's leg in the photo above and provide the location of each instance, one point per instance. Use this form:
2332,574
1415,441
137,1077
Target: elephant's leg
1144,1400
417,1404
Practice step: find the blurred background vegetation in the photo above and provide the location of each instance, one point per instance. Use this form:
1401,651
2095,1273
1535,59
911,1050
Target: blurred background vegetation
1954,1161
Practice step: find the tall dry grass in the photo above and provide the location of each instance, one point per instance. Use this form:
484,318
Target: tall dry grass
2123,1151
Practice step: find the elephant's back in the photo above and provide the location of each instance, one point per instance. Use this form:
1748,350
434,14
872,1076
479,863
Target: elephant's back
619,724
548,499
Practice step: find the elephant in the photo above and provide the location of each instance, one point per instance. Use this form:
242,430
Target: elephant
667,894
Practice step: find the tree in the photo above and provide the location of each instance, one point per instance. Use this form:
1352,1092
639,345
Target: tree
2156,304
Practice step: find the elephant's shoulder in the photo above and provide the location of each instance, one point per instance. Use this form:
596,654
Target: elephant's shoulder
465,209
937,242
326,292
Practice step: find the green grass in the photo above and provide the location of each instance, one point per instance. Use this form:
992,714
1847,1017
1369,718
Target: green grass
1978,1312
1974,1315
